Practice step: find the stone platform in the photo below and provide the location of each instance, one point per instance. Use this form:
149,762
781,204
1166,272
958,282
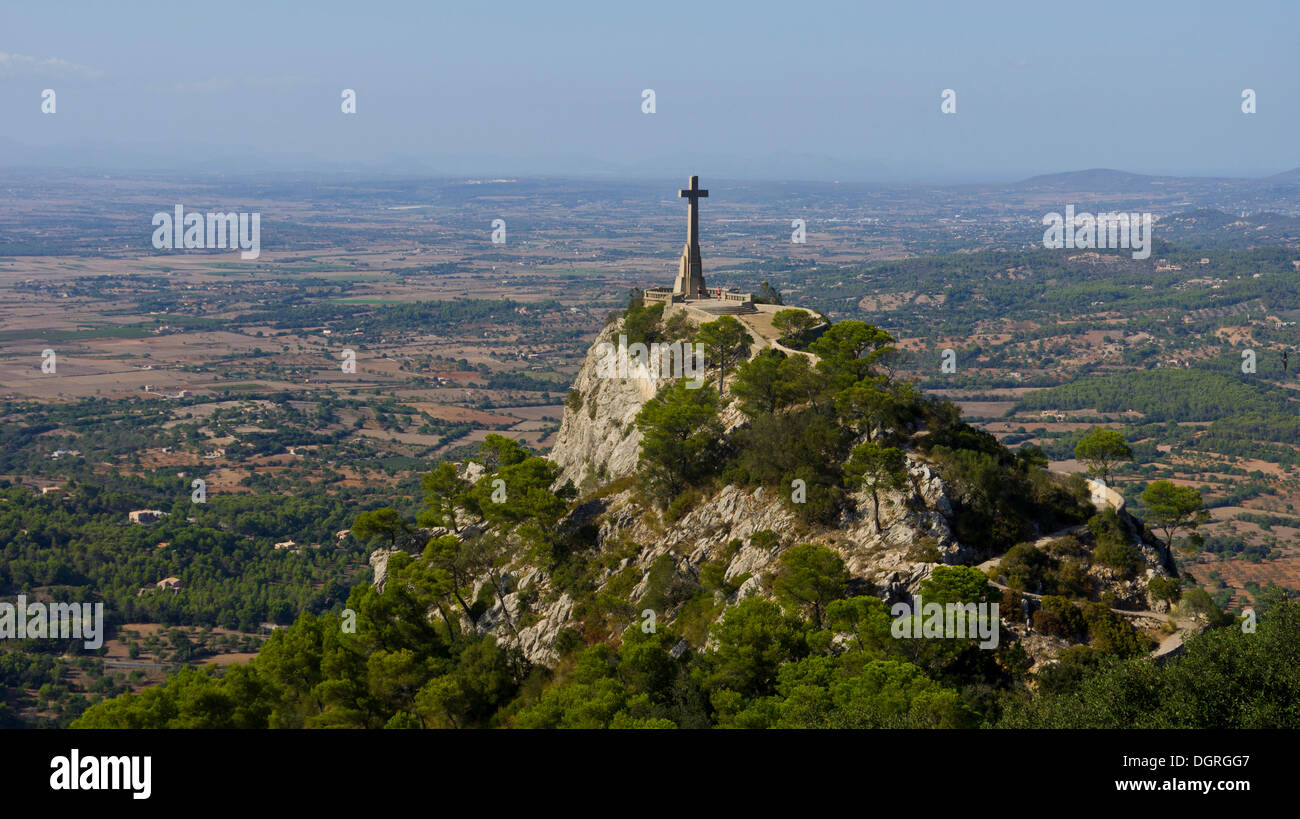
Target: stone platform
722,308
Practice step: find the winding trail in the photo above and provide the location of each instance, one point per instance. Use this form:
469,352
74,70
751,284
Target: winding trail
1168,645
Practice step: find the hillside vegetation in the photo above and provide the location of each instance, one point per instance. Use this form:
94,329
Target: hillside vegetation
515,600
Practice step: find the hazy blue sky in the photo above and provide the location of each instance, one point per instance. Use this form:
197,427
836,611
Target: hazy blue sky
788,90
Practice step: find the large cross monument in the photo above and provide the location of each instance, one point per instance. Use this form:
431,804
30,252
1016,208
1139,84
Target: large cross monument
690,273
689,287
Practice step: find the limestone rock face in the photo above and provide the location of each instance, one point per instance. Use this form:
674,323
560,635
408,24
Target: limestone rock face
379,564
537,623
884,560
598,440
537,640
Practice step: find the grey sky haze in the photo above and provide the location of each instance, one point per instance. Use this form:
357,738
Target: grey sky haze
839,90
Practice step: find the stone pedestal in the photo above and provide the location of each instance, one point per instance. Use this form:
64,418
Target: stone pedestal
690,274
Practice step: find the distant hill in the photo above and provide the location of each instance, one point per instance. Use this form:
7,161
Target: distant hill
1099,180
1291,177
1109,180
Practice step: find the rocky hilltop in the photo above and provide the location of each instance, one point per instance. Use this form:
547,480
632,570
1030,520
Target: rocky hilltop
728,539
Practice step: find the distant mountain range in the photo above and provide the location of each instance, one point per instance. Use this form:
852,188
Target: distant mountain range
1109,180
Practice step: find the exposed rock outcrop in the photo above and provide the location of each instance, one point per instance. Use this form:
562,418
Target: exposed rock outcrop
598,439
598,443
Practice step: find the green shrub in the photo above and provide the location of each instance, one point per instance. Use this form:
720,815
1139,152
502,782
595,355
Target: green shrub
956,584
641,323
925,550
1071,580
567,641
1122,557
1112,634
665,587
1065,675
1198,602
1046,622
681,506
1115,547
1164,588
809,578
1068,546
1026,566
1061,618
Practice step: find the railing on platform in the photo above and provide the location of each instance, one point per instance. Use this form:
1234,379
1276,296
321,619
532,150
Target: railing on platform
659,294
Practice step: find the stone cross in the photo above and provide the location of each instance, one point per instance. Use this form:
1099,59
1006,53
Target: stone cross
693,193
690,273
